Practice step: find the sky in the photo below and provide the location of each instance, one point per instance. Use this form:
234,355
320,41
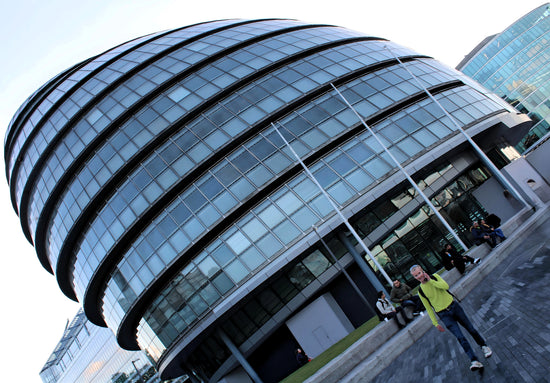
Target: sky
42,38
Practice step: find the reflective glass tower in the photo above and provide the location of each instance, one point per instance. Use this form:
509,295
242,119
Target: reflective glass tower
515,64
89,354
154,186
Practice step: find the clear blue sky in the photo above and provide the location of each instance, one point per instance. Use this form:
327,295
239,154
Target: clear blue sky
42,38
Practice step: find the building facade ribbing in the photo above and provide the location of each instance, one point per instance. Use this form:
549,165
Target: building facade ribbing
515,64
154,185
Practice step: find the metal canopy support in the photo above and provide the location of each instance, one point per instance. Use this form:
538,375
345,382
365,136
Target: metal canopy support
360,261
373,279
239,356
486,161
333,204
409,178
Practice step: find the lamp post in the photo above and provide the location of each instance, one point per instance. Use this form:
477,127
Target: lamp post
137,371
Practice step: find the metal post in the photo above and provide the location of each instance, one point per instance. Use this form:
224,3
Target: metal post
191,374
328,197
362,264
192,377
359,260
239,356
411,181
498,174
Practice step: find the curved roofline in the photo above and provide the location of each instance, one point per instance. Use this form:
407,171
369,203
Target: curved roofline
65,253
23,205
40,229
466,60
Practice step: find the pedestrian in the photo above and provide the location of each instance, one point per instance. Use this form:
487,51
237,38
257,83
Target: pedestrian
301,357
481,236
434,294
490,229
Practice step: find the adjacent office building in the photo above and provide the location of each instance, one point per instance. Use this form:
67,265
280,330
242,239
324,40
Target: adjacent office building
87,353
176,185
515,64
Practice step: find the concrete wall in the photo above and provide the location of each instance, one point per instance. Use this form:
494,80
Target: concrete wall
319,325
539,158
238,375
490,195
529,180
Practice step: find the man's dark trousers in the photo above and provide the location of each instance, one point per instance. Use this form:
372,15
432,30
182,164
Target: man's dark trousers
454,315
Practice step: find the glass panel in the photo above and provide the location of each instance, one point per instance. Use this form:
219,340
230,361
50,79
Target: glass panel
223,255
209,267
284,289
236,271
316,263
300,276
270,301
252,258
223,283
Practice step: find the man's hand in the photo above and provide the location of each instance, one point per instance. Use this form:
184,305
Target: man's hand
426,277
440,328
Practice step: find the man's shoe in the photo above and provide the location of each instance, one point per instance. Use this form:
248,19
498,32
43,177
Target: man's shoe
475,365
486,351
477,260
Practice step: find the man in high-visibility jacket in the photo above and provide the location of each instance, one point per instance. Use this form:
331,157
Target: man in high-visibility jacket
436,298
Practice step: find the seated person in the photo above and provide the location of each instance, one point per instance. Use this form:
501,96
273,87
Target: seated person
401,293
457,260
387,310
446,259
481,236
493,220
301,357
490,229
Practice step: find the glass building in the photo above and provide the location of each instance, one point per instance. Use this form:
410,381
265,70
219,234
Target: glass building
155,185
87,353
515,64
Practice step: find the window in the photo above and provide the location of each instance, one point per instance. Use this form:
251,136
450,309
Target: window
316,263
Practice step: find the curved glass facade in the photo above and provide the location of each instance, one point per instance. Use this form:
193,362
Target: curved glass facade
515,64
154,185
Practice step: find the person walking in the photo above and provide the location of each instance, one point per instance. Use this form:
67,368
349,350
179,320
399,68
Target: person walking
434,294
